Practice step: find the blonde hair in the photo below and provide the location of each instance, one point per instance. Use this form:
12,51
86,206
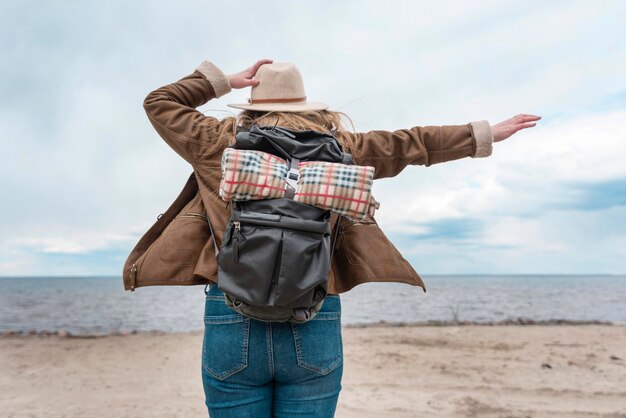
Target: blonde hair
324,121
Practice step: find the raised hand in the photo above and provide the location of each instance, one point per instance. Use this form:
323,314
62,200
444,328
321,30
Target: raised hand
505,129
245,78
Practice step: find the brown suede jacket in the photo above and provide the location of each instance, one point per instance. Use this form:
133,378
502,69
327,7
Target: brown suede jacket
178,248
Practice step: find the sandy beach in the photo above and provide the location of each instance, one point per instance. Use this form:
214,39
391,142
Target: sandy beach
389,371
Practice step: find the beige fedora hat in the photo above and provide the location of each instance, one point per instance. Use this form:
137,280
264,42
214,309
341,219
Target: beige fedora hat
280,88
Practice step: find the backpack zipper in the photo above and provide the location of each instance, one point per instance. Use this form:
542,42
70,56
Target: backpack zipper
237,226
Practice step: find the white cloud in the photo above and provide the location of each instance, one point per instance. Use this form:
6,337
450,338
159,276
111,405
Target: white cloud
521,175
77,243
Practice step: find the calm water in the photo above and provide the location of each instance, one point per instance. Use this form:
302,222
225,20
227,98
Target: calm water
100,305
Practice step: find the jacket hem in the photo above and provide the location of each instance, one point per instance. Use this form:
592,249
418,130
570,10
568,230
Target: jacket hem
215,77
481,130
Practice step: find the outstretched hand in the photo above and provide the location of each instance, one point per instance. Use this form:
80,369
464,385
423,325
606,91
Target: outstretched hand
245,78
505,129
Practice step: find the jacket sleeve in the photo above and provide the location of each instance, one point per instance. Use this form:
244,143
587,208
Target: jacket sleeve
391,151
171,110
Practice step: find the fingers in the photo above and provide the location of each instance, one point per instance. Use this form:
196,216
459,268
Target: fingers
250,82
257,64
523,117
524,126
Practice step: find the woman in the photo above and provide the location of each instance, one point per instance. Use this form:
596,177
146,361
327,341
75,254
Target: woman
261,369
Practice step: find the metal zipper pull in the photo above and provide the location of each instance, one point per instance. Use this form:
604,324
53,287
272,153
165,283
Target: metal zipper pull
133,276
236,245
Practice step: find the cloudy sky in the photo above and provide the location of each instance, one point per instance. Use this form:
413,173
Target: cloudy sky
83,174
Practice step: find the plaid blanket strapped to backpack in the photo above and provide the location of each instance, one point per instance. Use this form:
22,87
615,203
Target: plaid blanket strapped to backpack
342,188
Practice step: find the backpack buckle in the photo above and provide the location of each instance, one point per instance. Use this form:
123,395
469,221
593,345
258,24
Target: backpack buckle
293,174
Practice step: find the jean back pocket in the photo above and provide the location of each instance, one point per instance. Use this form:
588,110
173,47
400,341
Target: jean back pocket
226,340
318,342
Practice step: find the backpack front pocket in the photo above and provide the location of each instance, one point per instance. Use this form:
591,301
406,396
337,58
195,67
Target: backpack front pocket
247,261
271,259
305,266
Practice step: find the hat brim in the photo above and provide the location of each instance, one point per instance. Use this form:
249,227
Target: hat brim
283,107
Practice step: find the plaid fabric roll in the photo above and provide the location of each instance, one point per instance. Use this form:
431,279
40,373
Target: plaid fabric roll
338,187
251,174
342,188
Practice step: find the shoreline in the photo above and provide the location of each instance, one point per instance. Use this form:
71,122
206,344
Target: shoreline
523,322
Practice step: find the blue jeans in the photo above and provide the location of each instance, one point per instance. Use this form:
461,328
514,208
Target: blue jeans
260,369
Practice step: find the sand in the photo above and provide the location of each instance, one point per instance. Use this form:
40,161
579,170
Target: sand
411,371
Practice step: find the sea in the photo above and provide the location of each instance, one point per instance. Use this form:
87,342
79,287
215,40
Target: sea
100,305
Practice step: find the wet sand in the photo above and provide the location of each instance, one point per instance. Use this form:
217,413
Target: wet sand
390,371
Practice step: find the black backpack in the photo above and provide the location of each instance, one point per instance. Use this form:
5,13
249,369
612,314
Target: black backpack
274,261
